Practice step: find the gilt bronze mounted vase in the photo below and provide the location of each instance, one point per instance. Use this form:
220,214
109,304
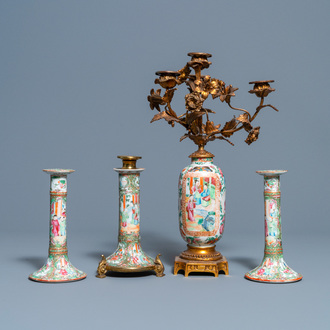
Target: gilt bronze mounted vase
202,194
273,268
129,256
202,185
58,268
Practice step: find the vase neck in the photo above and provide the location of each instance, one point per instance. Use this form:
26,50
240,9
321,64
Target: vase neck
198,160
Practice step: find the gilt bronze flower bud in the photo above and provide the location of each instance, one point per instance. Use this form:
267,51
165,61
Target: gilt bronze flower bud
261,88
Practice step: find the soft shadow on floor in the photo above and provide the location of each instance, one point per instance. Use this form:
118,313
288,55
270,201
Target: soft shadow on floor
107,249
96,255
197,274
247,262
167,247
137,274
36,262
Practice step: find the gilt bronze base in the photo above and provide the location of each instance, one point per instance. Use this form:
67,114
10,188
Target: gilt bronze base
201,260
105,266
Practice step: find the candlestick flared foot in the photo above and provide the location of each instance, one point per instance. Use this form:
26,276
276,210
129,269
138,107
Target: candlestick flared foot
57,269
273,270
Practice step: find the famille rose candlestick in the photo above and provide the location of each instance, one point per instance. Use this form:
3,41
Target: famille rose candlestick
129,256
201,184
273,268
58,268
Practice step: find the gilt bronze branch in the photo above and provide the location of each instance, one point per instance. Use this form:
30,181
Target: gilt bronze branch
200,88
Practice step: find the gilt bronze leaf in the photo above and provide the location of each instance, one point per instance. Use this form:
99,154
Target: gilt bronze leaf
210,128
193,116
167,98
184,73
244,119
155,99
164,115
227,130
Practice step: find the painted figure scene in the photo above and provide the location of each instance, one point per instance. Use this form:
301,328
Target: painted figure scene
130,213
58,221
273,223
200,204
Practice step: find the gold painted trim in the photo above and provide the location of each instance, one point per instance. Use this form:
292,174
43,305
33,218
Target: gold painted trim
273,193
58,193
273,251
58,251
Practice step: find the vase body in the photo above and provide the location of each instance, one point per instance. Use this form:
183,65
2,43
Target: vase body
273,268
129,256
58,268
202,194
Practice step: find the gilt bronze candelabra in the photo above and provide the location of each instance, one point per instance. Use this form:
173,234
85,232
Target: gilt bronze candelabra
200,88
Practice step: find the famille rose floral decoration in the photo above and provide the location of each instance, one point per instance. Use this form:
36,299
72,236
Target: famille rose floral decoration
58,268
201,184
129,256
273,268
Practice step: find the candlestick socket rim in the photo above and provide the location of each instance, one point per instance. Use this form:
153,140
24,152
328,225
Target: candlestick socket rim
58,171
199,54
261,82
129,162
167,73
271,172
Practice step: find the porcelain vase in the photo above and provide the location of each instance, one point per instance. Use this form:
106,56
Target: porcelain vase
202,194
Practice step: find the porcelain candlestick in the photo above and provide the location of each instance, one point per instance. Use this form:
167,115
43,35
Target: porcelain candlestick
129,256
58,268
273,268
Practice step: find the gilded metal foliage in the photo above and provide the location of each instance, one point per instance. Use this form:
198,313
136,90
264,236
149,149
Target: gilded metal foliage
195,119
